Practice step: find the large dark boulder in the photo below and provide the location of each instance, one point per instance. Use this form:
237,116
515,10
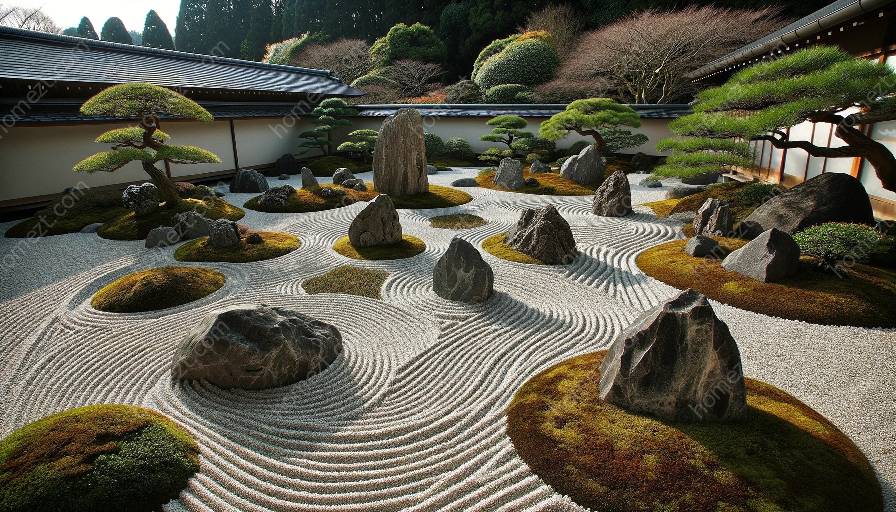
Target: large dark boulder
224,234
377,224
678,362
256,347
399,157
829,197
462,275
705,178
771,256
613,198
143,199
276,197
191,224
544,235
702,246
249,181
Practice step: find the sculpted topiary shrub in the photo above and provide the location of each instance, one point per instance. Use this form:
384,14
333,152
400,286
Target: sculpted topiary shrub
408,42
459,148
465,91
526,60
509,94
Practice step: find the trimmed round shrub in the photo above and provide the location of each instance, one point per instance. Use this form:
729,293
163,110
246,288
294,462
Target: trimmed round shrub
884,253
465,91
525,61
838,241
374,78
284,52
435,146
408,42
495,47
94,459
509,94
459,148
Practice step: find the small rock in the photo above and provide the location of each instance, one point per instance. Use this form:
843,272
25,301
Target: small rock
254,239
276,197
702,246
614,197
92,228
771,256
531,182
360,186
651,182
681,191
249,181
431,169
465,182
462,275
539,167
377,224
143,199
714,218
341,175
283,177
192,224
287,164
350,183
509,174
185,189
678,362
586,168
706,178
225,234
544,235
309,182
162,236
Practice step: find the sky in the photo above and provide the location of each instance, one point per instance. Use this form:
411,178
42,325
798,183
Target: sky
67,13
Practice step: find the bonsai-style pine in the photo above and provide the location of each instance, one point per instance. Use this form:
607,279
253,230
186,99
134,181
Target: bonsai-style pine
600,118
328,113
144,143
507,129
360,143
812,85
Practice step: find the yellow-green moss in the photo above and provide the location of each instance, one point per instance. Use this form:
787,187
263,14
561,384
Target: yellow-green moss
157,288
349,280
437,197
70,213
457,221
303,200
663,208
131,227
549,184
781,456
274,245
866,297
408,246
95,459
496,246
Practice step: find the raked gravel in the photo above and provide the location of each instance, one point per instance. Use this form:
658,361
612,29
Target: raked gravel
411,415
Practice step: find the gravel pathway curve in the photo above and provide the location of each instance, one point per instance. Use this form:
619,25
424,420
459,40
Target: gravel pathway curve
411,415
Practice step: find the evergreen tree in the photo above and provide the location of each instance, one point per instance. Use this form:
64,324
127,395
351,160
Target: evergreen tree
155,32
86,30
256,40
600,118
330,113
71,31
277,21
191,28
507,130
115,31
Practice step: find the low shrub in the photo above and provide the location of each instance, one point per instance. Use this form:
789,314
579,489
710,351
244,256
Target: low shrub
284,52
435,146
834,242
465,91
529,62
459,148
71,212
411,42
509,94
755,194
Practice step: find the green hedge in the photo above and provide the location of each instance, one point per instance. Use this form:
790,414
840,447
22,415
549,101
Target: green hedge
528,62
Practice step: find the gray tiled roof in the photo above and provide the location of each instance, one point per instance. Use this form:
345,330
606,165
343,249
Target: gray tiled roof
29,55
669,111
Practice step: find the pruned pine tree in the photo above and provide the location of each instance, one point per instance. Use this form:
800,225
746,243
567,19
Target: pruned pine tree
602,119
329,114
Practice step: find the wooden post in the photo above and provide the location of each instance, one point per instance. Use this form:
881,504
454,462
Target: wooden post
236,156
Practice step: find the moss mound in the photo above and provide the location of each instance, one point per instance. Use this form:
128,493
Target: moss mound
742,197
157,288
95,459
131,227
437,197
273,245
781,456
349,280
496,246
304,201
664,207
408,246
325,166
457,221
549,184
866,297
70,213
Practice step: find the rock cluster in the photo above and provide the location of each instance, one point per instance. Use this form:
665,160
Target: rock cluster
544,235
399,157
355,184
377,224
143,199
249,181
614,197
509,174
341,175
276,197
678,362
256,347
714,217
771,256
462,275
586,168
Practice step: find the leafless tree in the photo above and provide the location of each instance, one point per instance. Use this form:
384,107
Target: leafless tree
562,22
348,58
27,18
411,77
645,58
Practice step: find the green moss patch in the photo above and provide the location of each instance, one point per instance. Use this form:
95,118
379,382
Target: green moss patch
742,198
408,246
95,459
496,245
157,288
349,280
274,245
70,213
437,197
781,456
865,297
457,221
664,207
549,184
131,227
304,201
325,166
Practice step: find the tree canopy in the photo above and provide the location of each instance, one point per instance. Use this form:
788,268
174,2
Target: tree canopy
155,32
86,30
600,118
330,114
115,31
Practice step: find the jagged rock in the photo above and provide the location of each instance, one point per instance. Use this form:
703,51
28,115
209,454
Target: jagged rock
341,175
651,182
399,157
256,347
287,164
509,174
377,224
224,234
192,224
771,256
276,197
681,191
614,197
829,197
308,179
462,275
92,228
544,235
702,246
283,177
586,168
706,178
714,218
431,169
162,236
539,167
248,181
678,362
143,199
351,183
465,182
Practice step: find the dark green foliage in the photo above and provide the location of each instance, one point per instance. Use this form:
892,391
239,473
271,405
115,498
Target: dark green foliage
533,148
459,148
834,242
509,94
329,115
408,42
155,32
191,28
284,52
115,31
882,255
360,143
525,60
465,91
435,146
600,118
71,31
86,30
755,194
454,30
507,130
258,36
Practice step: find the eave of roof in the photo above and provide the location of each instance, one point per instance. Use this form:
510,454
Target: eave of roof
30,55
664,111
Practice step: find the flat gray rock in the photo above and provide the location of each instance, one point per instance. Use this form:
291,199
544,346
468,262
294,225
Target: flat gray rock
702,246
614,197
586,168
308,179
509,174
685,217
714,218
539,167
706,178
256,347
544,235
680,191
651,182
431,169
771,256
249,181
377,224
224,234
465,182
91,228
399,157
462,275
162,236
677,362
143,199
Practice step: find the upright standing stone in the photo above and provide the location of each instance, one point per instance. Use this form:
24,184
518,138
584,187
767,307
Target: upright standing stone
509,174
399,158
462,275
377,224
678,362
308,179
544,235
771,256
586,168
614,197
714,218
